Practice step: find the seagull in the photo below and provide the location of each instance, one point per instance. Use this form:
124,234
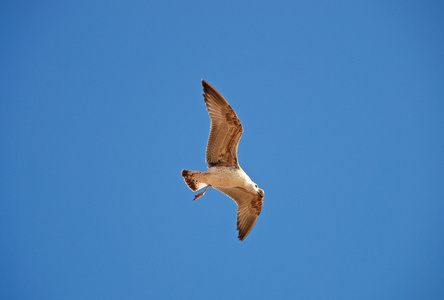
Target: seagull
224,173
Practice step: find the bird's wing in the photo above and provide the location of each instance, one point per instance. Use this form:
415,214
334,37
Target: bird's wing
249,207
226,129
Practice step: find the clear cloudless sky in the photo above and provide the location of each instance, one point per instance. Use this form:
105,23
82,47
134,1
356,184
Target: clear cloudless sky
342,104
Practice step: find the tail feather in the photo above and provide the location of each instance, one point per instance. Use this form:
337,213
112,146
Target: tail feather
192,180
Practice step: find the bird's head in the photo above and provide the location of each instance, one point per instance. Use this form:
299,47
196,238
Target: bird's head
259,191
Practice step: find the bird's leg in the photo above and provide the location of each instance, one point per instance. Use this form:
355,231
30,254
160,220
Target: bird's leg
201,194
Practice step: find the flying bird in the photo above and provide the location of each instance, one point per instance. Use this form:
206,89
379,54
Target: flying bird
224,173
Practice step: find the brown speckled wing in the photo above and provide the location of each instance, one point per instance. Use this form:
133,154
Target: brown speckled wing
226,129
249,208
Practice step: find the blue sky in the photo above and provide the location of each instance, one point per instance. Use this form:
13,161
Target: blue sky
342,105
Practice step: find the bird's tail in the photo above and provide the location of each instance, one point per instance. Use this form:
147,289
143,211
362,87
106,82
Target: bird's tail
192,179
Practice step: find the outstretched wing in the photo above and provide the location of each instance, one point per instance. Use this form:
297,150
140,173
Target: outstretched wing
226,129
248,210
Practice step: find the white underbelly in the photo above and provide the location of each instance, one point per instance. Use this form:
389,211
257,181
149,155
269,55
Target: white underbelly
227,176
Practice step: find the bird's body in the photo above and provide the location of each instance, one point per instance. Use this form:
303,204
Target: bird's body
224,173
227,177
